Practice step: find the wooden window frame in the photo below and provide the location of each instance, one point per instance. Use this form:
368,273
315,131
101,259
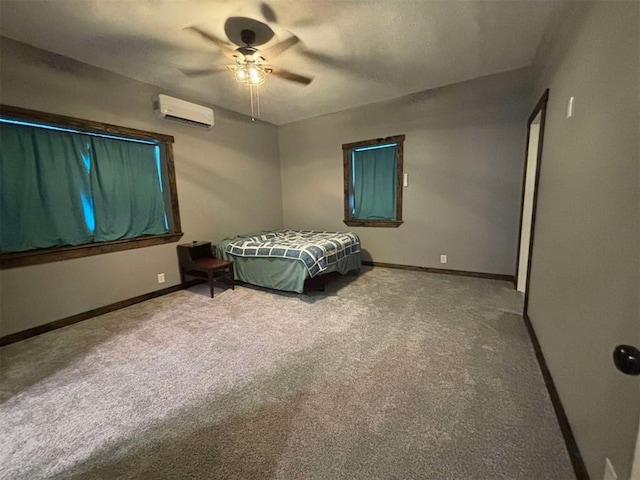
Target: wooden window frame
346,158
47,255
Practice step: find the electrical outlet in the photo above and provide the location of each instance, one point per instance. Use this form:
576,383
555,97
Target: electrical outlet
161,278
609,472
443,259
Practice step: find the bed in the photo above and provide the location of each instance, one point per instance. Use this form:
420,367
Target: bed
291,260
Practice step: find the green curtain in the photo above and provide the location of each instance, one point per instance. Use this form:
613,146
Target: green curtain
45,189
374,183
127,193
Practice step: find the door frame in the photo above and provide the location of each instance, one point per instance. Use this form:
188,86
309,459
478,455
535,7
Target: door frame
540,108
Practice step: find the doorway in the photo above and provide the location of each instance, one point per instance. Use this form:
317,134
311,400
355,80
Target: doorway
531,166
531,176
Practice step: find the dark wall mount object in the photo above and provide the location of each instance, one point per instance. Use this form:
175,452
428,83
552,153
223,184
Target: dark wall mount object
627,359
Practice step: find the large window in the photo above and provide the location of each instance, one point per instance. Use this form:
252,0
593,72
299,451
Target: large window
71,188
373,182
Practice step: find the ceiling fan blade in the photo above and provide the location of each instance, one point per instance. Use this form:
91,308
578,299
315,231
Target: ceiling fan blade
279,48
200,72
292,77
268,13
327,60
369,70
221,44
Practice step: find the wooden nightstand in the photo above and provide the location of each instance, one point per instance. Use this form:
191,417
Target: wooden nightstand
197,259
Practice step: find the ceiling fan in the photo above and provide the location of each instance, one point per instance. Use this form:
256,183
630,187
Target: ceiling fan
250,65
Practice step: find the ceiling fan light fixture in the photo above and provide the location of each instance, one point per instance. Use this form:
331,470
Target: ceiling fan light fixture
241,74
256,75
253,74
250,74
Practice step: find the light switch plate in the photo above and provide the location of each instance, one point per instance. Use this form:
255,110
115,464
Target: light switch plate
570,108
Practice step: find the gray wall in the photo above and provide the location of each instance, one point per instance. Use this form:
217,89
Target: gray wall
228,182
585,275
463,152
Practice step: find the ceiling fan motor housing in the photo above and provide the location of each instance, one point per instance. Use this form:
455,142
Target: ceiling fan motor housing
248,36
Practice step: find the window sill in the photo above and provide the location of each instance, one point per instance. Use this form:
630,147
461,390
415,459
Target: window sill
374,223
48,255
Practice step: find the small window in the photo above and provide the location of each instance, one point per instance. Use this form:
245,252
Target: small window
373,182
72,188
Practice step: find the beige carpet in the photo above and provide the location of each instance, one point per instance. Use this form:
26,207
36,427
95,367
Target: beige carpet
388,375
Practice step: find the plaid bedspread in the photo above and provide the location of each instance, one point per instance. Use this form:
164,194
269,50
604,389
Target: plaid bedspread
317,250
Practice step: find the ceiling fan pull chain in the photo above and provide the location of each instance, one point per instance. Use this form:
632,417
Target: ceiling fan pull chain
253,118
255,102
258,100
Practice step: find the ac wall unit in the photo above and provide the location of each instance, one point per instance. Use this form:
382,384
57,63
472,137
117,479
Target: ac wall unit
182,111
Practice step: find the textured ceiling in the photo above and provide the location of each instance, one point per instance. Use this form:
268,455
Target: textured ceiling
358,52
